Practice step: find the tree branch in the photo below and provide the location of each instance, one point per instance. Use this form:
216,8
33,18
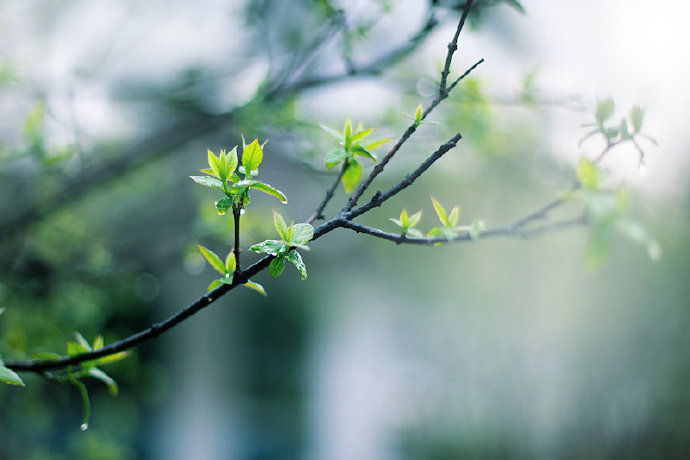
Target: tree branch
408,180
452,47
378,169
181,132
318,213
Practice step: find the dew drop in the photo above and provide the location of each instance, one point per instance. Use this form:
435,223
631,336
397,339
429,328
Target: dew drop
84,426
242,211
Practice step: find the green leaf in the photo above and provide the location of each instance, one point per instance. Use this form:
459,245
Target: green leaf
404,219
214,284
227,279
415,218
414,233
335,157
296,259
272,247
378,144
105,378
82,341
119,356
347,132
213,259
636,118
352,174
440,212
74,349
599,245
231,163
230,262
281,227
335,134
252,156
208,181
359,150
7,375
276,267
263,187
214,164
587,174
256,287
360,135
301,233
453,217
604,110
223,205
515,4
97,342
419,111
434,232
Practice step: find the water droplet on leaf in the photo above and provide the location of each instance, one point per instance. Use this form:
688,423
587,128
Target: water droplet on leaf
84,426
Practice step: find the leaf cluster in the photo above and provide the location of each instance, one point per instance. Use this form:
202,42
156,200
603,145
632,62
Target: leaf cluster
448,229
606,213
627,129
351,148
222,174
226,269
291,237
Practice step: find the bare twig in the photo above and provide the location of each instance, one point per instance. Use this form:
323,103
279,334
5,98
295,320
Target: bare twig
452,47
318,213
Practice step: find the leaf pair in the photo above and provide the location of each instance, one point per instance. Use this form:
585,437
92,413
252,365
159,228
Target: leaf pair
227,269
222,175
407,222
351,148
449,222
292,236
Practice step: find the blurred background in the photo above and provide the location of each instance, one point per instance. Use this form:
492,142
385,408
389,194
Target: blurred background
500,348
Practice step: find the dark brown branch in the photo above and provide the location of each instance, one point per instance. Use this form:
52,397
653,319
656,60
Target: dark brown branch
378,169
152,332
408,180
452,47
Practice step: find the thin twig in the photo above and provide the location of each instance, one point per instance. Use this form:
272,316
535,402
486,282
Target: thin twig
509,230
378,169
408,180
318,213
452,47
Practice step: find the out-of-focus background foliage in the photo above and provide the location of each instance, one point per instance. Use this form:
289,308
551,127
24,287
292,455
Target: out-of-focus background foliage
495,349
